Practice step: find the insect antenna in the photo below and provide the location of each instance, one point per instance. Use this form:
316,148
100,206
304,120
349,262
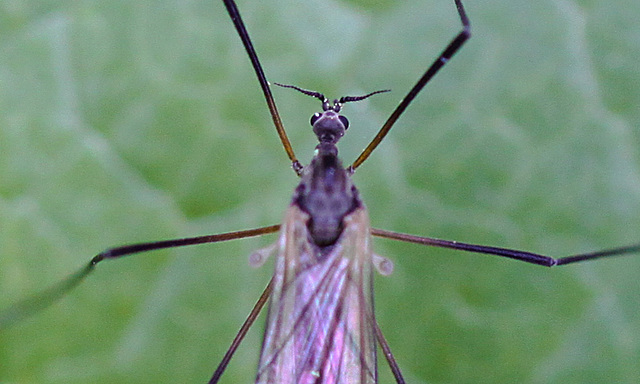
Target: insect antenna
337,103
348,99
315,94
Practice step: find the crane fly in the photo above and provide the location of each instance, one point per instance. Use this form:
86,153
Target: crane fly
321,325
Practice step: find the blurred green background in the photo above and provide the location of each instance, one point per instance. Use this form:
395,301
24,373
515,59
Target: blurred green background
127,121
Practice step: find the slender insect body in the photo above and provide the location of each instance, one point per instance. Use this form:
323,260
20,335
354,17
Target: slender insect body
320,326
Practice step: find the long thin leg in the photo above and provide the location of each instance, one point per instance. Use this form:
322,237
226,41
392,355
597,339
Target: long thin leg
451,49
242,333
527,257
395,369
264,84
44,299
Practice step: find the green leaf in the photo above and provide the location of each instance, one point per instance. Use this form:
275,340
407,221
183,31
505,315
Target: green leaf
124,122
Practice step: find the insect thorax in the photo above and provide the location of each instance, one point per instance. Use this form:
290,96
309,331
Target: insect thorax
327,194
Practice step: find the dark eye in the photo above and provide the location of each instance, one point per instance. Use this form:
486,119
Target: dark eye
344,121
315,117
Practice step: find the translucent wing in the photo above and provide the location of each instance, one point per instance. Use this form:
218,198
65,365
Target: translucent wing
320,321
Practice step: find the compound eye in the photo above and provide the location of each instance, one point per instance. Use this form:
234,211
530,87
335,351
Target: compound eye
344,121
315,117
